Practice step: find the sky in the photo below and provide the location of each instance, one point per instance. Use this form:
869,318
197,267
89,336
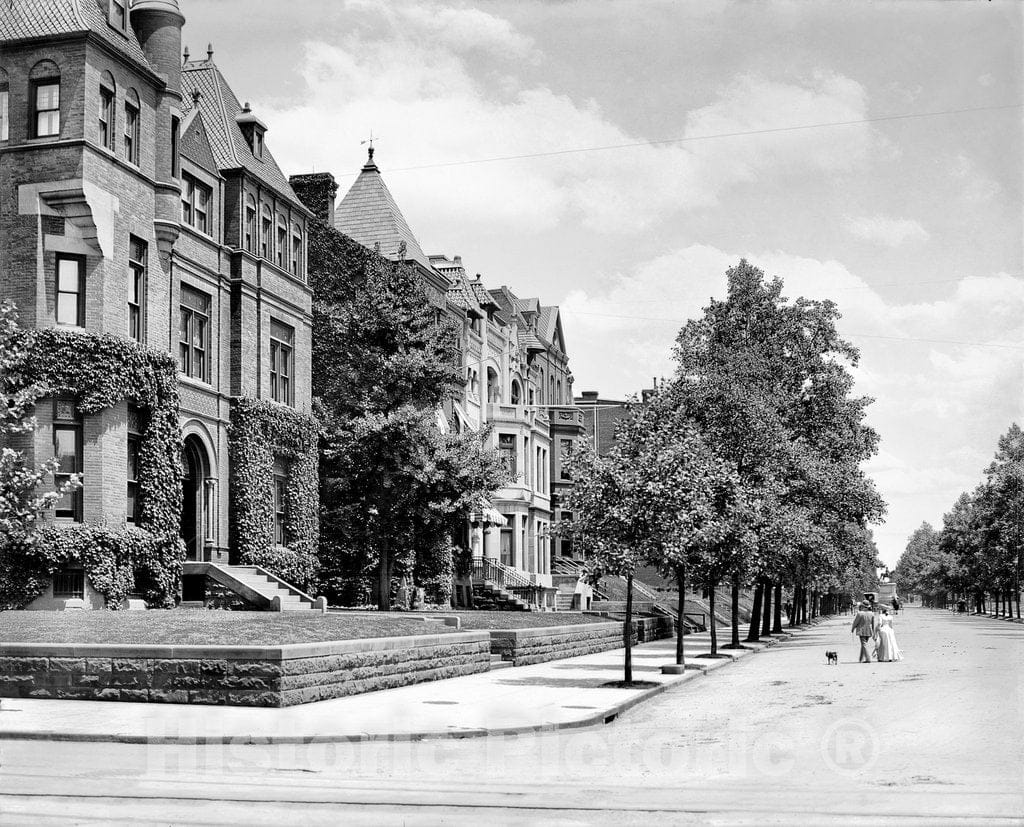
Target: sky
599,155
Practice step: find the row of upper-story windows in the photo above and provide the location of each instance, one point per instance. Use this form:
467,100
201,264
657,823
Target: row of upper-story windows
69,304
272,236
116,127
554,395
194,346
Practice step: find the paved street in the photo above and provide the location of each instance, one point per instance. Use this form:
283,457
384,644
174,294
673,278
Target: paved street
775,738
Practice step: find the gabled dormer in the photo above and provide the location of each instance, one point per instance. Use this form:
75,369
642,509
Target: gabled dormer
253,129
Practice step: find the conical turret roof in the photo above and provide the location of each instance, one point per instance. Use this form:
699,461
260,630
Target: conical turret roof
369,214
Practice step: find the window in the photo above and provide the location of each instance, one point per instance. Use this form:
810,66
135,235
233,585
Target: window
282,243
538,482
195,203
67,448
69,583
119,14
106,124
282,361
280,509
296,249
138,254
249,239
5,122
175,154
194,340
257,143
566,445
517,394
131,127
266,233
507,449
70,290
134,437
46,103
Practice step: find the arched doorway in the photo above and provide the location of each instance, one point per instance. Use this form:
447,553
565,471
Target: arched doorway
194,529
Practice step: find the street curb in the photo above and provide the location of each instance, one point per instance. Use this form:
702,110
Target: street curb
605,716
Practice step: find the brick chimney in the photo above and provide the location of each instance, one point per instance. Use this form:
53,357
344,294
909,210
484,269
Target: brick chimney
316,190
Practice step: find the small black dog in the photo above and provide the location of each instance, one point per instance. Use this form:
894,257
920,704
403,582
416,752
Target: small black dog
831,658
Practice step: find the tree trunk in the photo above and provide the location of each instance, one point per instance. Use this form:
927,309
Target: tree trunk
777,619
680,621
735,642
792,606
755,616
714,626
803,604
627,632
766,610
384,578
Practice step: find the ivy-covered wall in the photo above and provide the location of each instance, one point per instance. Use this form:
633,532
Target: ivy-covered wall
100,371
260,433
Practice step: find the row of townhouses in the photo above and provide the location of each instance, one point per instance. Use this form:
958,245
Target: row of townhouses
140,202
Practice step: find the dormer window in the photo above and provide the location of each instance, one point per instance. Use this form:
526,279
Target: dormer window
253,129
119,14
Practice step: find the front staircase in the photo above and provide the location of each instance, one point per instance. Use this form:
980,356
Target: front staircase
256,586
498,586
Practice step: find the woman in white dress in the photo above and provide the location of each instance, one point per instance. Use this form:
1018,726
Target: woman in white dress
888,649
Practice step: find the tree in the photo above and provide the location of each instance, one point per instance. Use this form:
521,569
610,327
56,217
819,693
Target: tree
392,484
768,383
20,505
615,519
922,549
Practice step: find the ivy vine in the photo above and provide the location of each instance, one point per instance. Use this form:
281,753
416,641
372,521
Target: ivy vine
260,433
100,371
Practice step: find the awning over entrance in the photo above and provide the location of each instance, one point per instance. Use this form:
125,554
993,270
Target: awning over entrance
488,515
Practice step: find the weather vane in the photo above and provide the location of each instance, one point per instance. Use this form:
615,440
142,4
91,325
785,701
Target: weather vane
370,141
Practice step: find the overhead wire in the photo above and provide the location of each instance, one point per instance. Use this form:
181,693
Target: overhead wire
694,138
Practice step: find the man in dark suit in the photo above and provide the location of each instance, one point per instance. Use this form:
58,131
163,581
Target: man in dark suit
865,626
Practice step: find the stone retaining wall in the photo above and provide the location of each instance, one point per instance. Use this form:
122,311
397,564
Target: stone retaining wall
526,646
236,675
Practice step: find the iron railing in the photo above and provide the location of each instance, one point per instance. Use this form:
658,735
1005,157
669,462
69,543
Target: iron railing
485,568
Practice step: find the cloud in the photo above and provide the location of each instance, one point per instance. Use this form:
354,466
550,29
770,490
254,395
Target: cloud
440,86
892,232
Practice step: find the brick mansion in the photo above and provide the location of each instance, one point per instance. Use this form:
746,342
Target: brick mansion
147,231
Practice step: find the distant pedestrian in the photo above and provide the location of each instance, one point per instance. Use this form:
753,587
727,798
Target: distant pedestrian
888,649
895,605
865,626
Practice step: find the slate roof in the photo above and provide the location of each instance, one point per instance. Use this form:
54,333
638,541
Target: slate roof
219,107
21,19
482,294
369,214
195,144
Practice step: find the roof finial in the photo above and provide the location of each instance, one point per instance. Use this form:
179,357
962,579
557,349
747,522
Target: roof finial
369,141
209,51
186,56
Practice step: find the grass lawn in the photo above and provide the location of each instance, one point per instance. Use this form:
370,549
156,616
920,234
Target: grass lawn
205,628
522,620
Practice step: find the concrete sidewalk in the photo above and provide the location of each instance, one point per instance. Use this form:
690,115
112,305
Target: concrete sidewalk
555,695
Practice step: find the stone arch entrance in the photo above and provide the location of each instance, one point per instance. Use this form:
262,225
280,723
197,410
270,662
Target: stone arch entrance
195,514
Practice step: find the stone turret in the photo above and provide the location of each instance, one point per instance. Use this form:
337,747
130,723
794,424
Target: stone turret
157,24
